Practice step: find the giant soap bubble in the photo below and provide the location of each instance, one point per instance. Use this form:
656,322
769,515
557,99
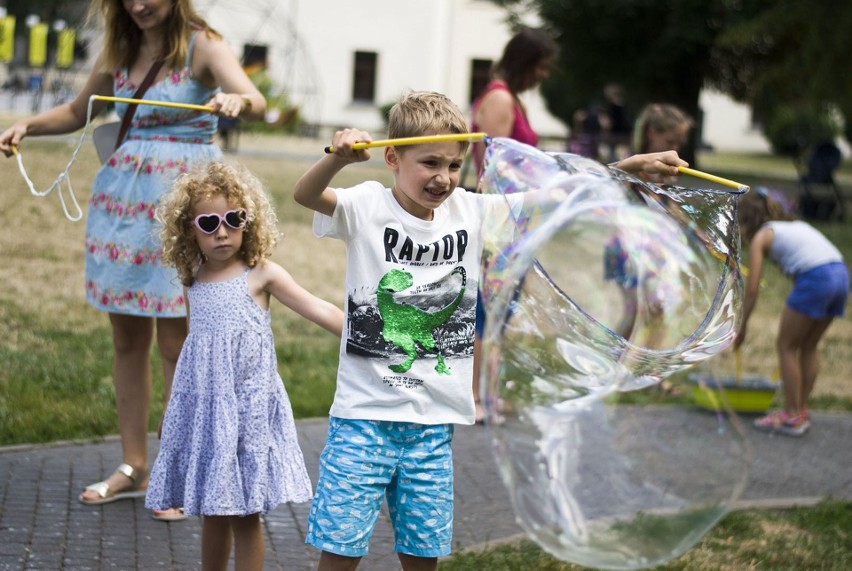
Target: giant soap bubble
597,287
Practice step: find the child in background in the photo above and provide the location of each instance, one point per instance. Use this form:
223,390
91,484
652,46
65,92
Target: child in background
229,449
404,379
660,127
820,288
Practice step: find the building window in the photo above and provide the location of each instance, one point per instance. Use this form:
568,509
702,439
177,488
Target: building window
364,81
480,74
254,56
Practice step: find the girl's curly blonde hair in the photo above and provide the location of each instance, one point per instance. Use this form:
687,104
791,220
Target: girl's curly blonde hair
176,211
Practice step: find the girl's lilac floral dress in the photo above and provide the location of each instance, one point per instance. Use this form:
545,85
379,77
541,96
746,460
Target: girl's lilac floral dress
229,443
123,269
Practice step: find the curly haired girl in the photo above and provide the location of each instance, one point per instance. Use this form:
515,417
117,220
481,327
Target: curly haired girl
229,449
183,238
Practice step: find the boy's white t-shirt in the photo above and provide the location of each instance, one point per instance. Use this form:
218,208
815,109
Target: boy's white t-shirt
410,287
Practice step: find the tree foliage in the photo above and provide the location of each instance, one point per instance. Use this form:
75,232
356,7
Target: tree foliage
766,53
790,61
787,51
658,51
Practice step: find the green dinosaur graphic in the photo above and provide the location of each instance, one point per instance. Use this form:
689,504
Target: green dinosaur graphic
405,325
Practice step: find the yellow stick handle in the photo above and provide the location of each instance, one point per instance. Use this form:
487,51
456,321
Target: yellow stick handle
414,141
152,102
712,178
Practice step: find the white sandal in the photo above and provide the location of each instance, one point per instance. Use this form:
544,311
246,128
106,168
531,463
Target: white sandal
107,495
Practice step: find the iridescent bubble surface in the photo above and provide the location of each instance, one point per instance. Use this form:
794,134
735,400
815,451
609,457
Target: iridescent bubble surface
597,288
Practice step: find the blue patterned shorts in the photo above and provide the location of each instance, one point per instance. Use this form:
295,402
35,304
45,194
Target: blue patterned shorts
363,460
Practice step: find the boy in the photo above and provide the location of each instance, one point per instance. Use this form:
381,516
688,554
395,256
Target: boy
404,378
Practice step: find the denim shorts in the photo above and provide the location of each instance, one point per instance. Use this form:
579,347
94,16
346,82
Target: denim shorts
364,460
821,292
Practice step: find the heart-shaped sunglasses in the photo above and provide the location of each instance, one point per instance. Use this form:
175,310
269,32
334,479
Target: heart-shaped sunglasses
209,223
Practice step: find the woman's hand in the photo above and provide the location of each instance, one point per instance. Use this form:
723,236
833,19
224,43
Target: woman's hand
664,163
229,104
11,138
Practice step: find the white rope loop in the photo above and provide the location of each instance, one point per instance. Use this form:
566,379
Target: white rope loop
64,176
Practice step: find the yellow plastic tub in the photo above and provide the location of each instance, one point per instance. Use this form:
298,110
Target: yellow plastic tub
746,394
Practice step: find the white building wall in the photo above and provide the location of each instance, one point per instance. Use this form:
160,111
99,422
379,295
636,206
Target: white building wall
727,124
407,36
421,45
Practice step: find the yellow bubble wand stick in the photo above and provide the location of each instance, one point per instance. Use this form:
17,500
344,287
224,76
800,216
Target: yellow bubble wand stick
64,177
130,100
472,137
480,136
713,178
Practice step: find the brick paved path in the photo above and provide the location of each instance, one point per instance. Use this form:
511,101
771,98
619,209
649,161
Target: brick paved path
44,527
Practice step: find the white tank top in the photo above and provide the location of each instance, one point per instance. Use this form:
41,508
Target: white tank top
798,247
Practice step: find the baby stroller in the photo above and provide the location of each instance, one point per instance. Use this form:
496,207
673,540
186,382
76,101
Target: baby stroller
819,196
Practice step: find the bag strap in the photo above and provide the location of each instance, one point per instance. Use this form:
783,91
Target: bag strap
131,108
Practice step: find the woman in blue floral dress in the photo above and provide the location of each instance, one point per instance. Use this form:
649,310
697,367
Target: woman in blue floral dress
124,276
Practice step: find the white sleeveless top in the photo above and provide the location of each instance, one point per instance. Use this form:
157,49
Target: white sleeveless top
798,247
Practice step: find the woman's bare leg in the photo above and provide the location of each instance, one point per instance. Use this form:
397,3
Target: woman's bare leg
171,333
131,374
479,412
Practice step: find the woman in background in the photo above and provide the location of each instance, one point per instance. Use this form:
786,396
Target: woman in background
527,60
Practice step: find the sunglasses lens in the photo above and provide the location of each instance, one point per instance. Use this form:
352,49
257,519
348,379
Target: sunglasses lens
208,224
235,218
